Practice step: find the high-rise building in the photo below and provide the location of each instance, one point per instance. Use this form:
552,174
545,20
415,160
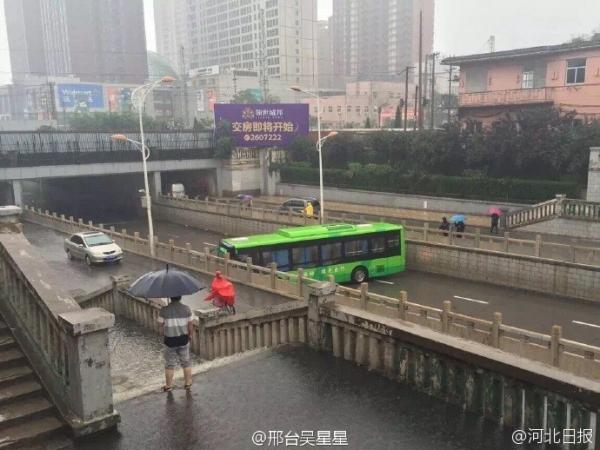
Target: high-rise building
276,38
377,40
325,55
93,40
171,20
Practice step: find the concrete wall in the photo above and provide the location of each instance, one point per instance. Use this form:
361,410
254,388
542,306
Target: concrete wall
593,187
517,271
566,227
394,200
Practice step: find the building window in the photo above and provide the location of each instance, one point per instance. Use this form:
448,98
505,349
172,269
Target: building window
576,71
527,81
349,108
330,108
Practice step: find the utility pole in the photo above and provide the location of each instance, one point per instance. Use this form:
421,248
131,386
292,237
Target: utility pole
406,97
234,82
423,90
433,57
417,107
184,85
264,81
420,69
449,93
52,100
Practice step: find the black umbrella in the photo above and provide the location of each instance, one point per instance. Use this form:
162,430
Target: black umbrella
165,283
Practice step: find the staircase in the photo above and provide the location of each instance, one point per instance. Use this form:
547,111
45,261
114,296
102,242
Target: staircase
534,214
27,418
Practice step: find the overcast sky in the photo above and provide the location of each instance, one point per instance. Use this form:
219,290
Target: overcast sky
461,26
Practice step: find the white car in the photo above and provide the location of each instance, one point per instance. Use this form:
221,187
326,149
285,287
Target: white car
93,247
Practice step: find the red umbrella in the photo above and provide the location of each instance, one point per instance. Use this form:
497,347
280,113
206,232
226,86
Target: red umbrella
494,210
222,289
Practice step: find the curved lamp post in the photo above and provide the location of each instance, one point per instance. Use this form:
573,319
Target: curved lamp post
320,141
145,155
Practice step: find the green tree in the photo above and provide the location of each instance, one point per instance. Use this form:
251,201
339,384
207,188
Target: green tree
224,142
368,123
303,150
253,96
114,121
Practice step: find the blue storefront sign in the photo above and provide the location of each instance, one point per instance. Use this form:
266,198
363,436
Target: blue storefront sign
80,95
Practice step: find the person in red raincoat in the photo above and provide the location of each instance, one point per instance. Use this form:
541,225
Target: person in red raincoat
222,293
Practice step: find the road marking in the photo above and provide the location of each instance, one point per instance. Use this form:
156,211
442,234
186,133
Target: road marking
471,300
383,282
593,325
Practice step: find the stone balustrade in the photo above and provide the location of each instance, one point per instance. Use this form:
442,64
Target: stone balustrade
576,358
66,345
501,386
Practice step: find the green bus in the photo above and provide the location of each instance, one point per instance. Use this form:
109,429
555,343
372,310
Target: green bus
351,253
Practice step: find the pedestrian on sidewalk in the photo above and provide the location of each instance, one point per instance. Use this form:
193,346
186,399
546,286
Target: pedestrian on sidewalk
445,225
177,328
495,220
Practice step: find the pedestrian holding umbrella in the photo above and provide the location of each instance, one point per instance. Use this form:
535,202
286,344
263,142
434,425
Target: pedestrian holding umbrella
495,214
459,224
176,318
165,283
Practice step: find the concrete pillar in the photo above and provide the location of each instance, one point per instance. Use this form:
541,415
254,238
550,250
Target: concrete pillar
17,192
90,386
156,185
319,293
593,187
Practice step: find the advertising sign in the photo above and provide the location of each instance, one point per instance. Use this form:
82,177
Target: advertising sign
80,96
119,98
264,125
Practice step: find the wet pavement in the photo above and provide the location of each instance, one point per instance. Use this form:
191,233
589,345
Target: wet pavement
136,356
295,389
533,311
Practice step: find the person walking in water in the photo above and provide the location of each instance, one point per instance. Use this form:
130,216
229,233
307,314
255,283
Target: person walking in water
177,328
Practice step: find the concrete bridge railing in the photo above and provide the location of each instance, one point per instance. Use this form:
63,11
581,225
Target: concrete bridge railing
66,345
557,207
553,349
537,247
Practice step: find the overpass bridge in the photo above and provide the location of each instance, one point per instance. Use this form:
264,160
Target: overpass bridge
181,155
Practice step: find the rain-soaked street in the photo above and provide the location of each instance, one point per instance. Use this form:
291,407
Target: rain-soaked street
292,389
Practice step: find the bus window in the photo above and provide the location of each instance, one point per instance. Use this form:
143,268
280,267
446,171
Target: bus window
280,257
305,256
244,254
393,243
356,248
378,245
331,253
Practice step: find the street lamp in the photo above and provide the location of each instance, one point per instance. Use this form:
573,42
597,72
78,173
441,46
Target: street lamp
145,155
319,145
138,98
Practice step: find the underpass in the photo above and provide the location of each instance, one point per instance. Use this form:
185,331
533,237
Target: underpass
520,308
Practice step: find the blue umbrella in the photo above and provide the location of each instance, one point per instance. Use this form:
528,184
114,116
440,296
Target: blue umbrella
458,218
165,283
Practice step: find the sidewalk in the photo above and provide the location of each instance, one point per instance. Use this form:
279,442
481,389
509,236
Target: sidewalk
292,390
409,214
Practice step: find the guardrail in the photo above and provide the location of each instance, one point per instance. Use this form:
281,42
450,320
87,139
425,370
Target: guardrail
64,148
558,207
577,358
528,247
64,343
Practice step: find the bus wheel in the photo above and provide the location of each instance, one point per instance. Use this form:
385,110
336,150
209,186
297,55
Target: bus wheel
360,275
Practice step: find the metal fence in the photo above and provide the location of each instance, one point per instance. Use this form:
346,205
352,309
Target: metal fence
28,149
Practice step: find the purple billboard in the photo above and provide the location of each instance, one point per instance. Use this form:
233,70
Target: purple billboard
259,125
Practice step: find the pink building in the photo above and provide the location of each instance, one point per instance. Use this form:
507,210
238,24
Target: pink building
566,76
376,100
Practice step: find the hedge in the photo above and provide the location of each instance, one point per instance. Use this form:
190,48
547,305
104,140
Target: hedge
388,179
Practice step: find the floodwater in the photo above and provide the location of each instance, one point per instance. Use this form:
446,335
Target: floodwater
293,390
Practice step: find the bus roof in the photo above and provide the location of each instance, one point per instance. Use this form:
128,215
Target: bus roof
298,234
